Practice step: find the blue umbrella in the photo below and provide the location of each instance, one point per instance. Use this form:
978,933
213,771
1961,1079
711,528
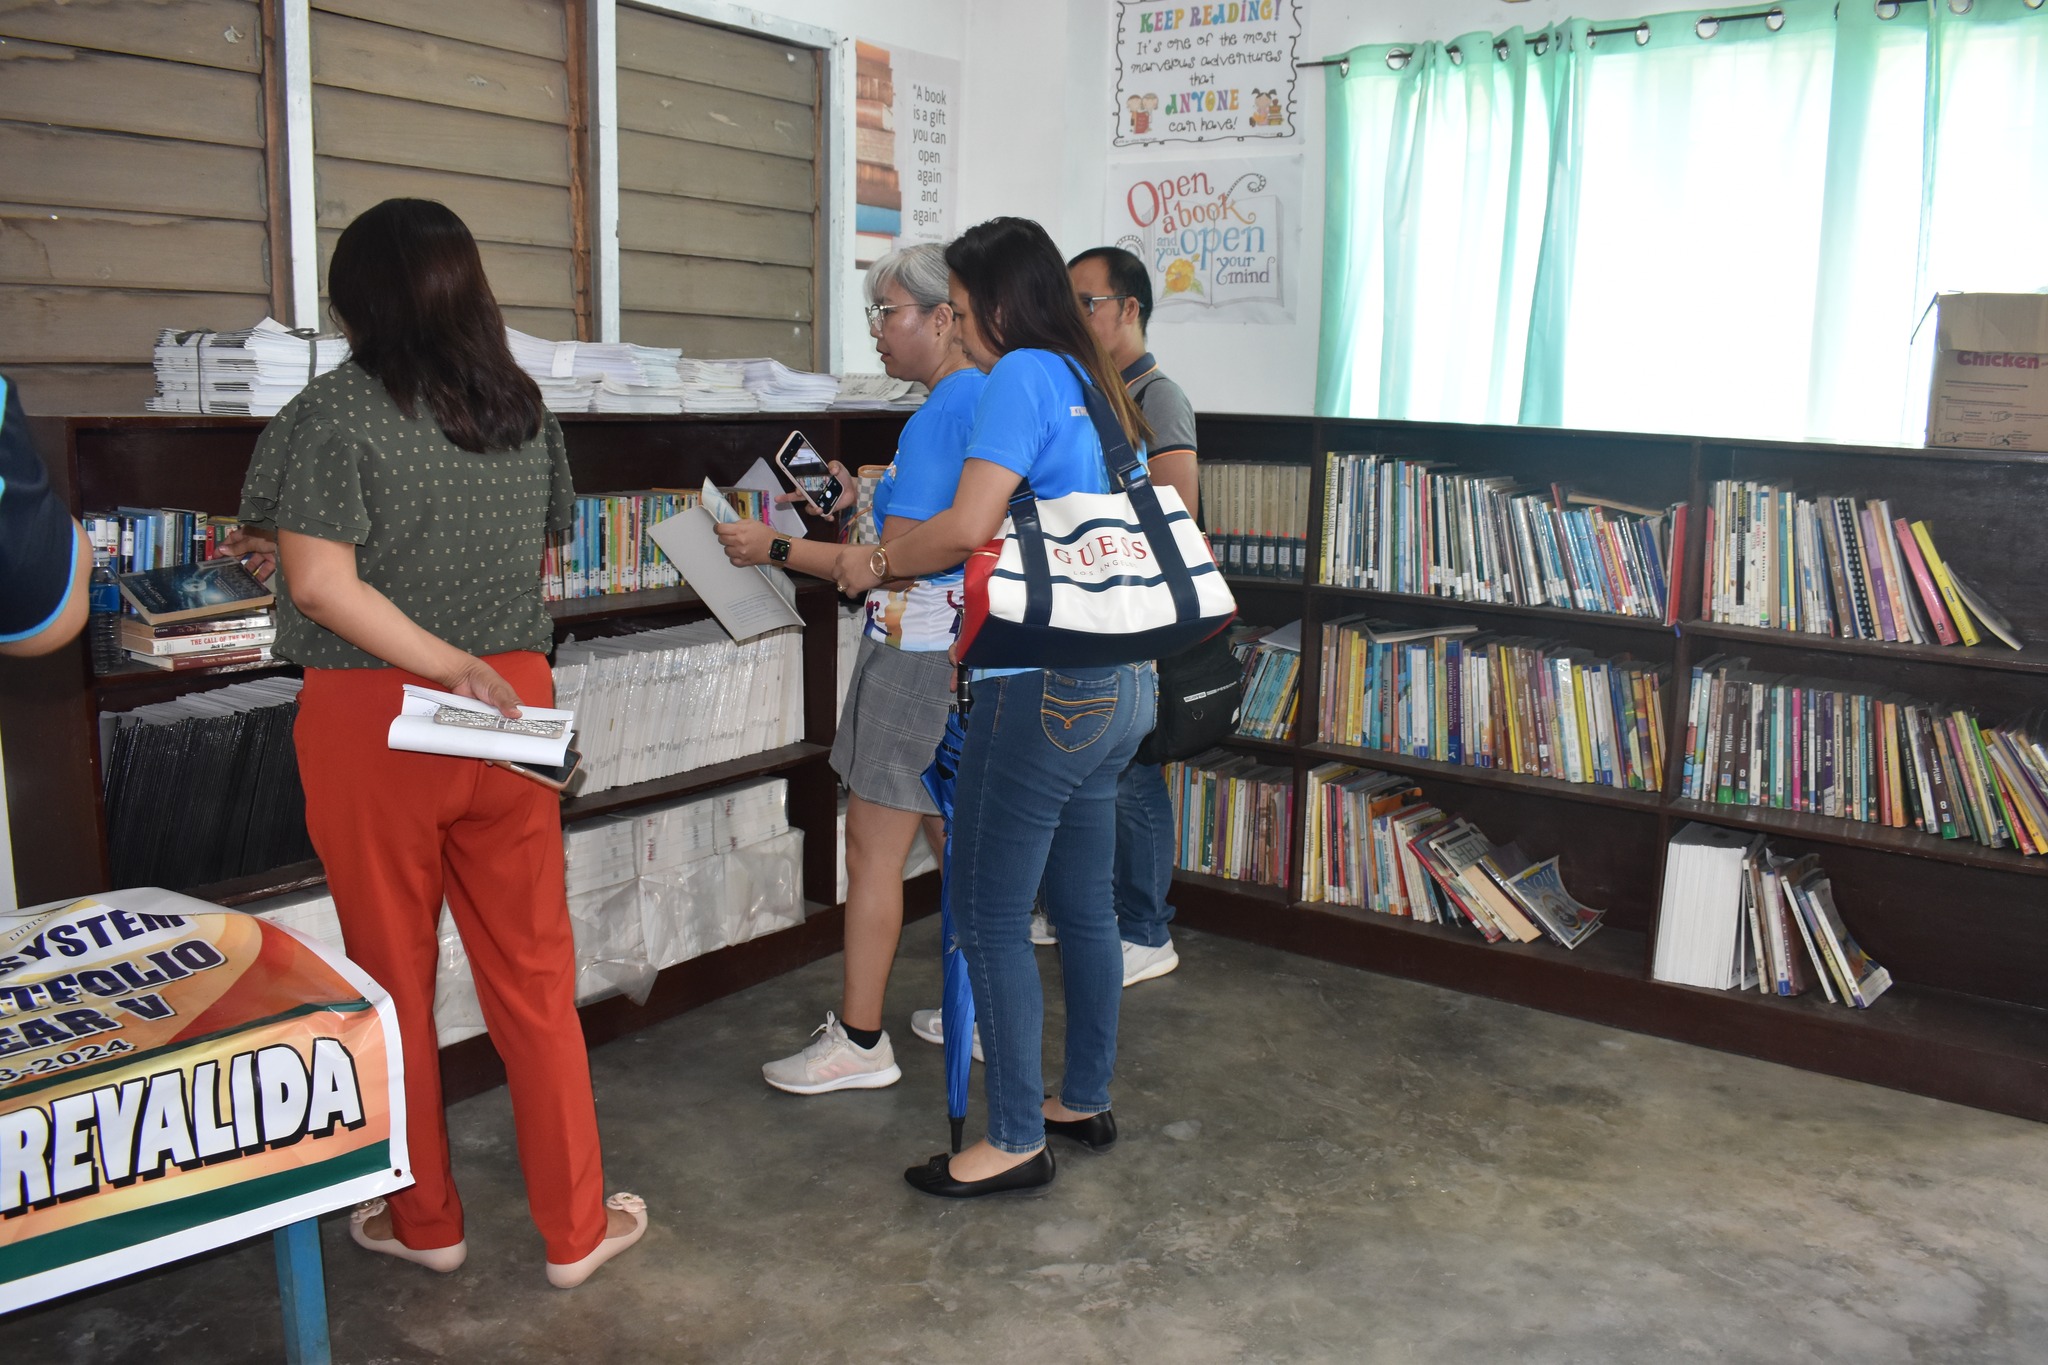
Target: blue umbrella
956,1005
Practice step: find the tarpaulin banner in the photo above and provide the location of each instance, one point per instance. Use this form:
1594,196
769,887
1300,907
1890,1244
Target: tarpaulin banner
176,1078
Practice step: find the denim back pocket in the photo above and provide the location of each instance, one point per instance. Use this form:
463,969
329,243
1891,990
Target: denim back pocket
1076,712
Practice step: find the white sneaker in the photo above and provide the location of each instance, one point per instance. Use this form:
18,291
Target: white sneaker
1142,963
1041,930
930,1025
834,1061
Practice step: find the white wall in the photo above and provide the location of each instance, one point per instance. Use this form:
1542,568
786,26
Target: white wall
1035,132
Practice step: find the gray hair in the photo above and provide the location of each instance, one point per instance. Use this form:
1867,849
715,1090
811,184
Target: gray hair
920,269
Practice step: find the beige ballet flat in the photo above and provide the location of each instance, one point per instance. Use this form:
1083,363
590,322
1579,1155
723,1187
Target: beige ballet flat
446,1260
576,1272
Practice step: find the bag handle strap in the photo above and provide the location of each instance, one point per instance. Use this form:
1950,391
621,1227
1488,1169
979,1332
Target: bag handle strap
1128,473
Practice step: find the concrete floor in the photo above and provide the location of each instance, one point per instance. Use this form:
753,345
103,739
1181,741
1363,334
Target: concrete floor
1318,1164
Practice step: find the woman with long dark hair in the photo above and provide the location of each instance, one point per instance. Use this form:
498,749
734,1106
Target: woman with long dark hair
1035,798
410,491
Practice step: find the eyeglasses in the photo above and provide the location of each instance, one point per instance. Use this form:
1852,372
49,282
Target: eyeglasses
878,313
1088,301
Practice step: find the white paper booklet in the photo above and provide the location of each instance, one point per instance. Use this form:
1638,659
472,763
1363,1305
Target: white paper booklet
433,722
746,600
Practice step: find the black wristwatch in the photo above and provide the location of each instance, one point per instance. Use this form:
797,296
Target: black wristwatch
778,549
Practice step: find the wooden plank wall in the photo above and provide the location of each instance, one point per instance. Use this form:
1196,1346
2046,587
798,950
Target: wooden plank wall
134,189
718,190
467,103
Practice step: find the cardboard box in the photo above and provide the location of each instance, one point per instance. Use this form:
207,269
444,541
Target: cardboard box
1990,372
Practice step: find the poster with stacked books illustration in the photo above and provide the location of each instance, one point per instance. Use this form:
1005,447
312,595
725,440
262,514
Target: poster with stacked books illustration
906,125
1221,235
1205,73
177,1078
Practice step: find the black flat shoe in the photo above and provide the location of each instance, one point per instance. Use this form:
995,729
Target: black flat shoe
1033,1177
1097,1132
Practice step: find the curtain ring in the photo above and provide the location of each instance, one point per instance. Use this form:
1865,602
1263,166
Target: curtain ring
1643,33
1541,43
1500,48
1774,20
1961,6
1343,67
1398,58
1456,54
1887,9
1707,26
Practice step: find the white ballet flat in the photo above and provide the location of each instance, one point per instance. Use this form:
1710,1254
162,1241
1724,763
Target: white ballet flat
446,1260
576,1272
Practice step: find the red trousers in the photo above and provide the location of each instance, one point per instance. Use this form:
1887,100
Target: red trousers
398,832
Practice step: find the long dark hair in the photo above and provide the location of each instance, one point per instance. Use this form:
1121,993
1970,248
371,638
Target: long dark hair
1023,297
407,284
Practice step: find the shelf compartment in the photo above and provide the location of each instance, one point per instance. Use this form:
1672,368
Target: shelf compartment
278,881
1279,750
1994,657
1965,1049
1647,624
1621,797
1855,834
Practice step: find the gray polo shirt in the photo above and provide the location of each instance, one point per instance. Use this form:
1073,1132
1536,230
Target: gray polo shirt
1166,408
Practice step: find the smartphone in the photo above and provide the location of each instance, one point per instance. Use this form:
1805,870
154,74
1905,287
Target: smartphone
804,470
555,778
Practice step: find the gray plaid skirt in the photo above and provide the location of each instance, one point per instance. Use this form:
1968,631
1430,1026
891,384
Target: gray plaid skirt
895,712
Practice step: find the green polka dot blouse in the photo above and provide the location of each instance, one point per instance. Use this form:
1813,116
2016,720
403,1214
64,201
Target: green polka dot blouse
454,539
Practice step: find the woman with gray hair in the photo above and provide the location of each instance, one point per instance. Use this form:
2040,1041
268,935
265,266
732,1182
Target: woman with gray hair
902,686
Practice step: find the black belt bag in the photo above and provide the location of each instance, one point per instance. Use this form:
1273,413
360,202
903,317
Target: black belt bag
1199,692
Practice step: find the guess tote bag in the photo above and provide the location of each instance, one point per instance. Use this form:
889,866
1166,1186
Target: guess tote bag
1092,579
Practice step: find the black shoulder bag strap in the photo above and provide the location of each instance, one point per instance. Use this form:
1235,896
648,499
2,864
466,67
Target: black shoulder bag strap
1127,474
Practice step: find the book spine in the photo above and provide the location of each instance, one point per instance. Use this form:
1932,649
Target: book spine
1923,581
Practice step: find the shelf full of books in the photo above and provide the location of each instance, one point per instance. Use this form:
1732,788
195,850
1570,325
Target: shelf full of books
1528,649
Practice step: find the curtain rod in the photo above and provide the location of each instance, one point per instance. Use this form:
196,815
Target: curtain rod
1706,26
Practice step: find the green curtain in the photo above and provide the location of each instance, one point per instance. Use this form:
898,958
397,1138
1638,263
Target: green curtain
1655,229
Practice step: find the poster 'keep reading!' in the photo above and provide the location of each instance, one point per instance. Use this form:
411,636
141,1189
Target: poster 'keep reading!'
1205,72
1221,235
177,1080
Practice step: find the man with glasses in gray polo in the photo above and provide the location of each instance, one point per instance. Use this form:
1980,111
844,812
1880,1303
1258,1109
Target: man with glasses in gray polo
1114,291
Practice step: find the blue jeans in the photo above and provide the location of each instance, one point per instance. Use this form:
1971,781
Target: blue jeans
1036,802
1144,855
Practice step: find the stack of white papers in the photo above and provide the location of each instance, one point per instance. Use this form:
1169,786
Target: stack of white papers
878,393
431,722
575,376
716,386
251,372
782,389
1700,940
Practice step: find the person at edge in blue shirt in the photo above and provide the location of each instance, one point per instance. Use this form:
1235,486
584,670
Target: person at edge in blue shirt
902,685
1035,797
45,558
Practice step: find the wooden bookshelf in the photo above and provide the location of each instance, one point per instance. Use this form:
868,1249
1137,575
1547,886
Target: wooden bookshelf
49,707
1963,928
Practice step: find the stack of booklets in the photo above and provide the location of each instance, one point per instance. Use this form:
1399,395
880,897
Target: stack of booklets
1257,515
1412,526
1834,566
211,614
607,376
716,386
669,701
878,393
781,389
1834,749
250,372
204,787
1272,681
607,549
1736,916
1373,843
1232,815
1450,695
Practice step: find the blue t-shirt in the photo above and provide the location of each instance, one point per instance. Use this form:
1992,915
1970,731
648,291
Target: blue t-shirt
919,485
1033,421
